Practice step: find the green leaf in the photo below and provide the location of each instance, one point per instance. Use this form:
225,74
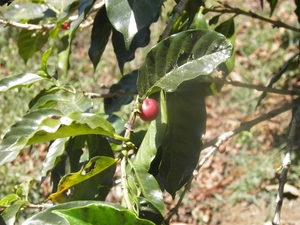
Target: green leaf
149,188
44,60
87,211
31,41
182,142
153,138
141,39
98,146
192,8
100,35
18,81
96,174
48,124
127,84
130,16
273,4
55,150
30,11
10,214
181,57
297,10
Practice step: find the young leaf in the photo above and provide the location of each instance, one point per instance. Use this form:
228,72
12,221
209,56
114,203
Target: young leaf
96,174
181,57
100,35
182,142
44,60
129,17
95,211
18,81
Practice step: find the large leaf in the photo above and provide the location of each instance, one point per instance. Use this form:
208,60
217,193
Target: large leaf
181,57
182,142
130,16
31,41
127,84
83,212
18,81
49,124
96,175
100,35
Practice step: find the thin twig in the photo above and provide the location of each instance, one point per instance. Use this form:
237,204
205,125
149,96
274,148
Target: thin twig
216,142
177,12
285,167
110,95
229,9
31,206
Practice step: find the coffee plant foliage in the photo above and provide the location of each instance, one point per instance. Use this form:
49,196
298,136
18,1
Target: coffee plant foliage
85,146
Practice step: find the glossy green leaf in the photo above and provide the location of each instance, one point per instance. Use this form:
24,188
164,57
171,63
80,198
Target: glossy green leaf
182,142
31,41
98,146
96,174
100,35
49,124
18,81
127,84
130,16
104,212
55,150
10,214
192,8
181,57
149,188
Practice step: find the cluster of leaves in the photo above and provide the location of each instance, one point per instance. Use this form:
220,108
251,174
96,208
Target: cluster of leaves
86,146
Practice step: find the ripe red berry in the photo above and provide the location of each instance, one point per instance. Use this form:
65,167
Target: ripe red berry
65,26
149,109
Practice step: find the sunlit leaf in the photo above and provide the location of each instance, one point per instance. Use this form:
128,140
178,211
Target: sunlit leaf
98,173
18,81
128,17
49,124
80,212
10,214
182,57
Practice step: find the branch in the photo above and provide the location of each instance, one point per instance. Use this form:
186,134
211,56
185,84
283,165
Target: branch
252,86
285,167
31,206
177,12
110,95
216,142
229,9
